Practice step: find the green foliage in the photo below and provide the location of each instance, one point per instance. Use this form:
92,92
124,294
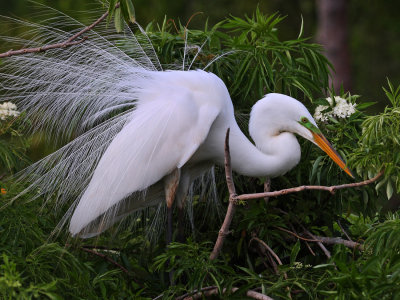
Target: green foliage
348,274
372,275
13,145
12,284
123,12
264,63
252,59
379,145
191,267
248,55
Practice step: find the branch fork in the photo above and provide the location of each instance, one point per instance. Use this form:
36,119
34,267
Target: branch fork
234,199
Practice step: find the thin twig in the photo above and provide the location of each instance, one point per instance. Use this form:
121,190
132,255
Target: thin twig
276,257
106,258
103,248
330,189
344,232
296,235
210,291
69,42
268,248
272,261
267,188
326,251
41,49
309,249
231,207
272,252
90,27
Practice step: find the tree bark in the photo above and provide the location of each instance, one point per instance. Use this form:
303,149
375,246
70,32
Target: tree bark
332,34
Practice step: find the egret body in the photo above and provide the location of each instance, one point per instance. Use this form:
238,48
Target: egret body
177,133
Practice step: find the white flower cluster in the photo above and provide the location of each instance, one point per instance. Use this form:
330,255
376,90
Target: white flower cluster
299,265
8,109
342,109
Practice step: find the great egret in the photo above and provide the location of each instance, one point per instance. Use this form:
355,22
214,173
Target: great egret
166,127
177,133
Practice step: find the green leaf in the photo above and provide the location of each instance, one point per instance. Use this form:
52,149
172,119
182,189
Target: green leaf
295,251
315,167
111,10
389,189
118,20
131,10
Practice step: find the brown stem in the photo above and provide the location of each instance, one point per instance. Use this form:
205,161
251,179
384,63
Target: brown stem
41,49
338,240
323,248
309,249
326,240
344,232
210,291
276,257
330,189
69,42
231,207
272,252
267,188
296,235
106,258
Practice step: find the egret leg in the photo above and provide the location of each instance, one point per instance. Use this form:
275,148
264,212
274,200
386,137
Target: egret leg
169,225
181,225
171,186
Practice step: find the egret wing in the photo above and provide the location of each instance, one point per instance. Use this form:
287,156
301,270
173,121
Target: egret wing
162,135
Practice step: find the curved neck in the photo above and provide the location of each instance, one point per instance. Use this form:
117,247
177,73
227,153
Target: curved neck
274,155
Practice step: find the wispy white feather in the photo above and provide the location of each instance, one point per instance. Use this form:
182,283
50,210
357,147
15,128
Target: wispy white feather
88,92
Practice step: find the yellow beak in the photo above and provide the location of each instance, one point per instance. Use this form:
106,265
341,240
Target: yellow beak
324,144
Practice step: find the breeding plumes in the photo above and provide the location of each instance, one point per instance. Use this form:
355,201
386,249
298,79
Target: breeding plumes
141,134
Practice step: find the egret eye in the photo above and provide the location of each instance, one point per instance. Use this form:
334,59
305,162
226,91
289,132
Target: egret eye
304,120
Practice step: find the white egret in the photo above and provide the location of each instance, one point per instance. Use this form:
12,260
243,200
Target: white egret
177,133
144,134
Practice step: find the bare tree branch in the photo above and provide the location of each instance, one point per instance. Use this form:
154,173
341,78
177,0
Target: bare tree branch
69,42
231,207
233,199
330,189
326,240
326,251
296,235
338,240
272,252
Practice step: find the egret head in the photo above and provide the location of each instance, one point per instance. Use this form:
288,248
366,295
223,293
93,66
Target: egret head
280,113
320,140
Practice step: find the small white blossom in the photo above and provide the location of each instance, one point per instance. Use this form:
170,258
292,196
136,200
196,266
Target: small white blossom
8,109
342,109
297,265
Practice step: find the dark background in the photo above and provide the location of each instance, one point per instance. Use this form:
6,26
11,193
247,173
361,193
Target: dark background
373,28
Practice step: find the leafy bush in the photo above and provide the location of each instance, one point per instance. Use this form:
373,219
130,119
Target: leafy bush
13,144
250,57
